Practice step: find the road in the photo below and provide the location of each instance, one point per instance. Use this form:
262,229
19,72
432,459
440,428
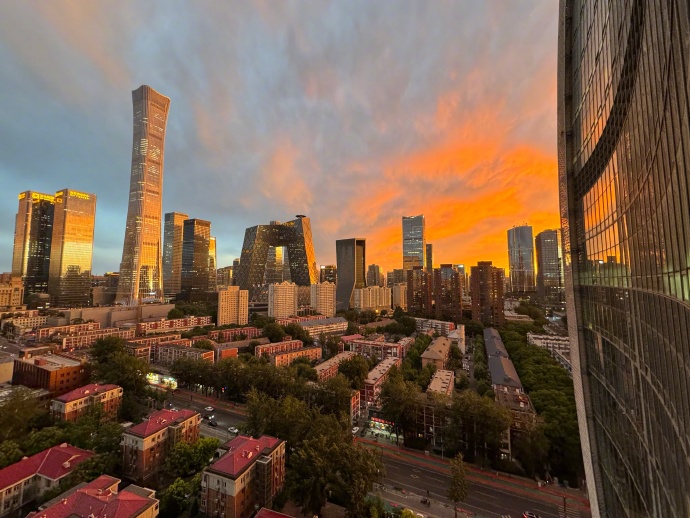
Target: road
484,500
224,418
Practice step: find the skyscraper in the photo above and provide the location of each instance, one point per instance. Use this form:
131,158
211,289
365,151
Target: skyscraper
141,271
374,275
329,273
172,252
282,300
71,249
624,157
429,257
196,244
233,306
212,279
350,257
419,301
447,293
487,283
549,267
521,259
33,235
414,241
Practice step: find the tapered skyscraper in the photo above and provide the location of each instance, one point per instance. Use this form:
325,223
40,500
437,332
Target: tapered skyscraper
141,271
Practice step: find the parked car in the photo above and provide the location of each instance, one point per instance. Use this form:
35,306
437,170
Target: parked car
213,423
209,409
234,430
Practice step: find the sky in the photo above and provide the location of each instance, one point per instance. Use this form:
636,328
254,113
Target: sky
354,113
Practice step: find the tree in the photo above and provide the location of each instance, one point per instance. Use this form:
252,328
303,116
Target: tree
311,473
187,459
274,332
43,439
175,313
104,348
459,485
174,499
10,452
531,449
124,370
356,369
398,402
203,344
20,409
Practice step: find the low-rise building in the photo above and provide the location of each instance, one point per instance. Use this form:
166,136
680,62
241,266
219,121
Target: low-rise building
277,347
326,326
100,498
438,353
24,481
86,339
6,367
176,324
442,383
439,326
406,342
329,368
372,385
74,404
145,445
229,335
374,348
168,353
56,373
11,292
286,358
558,347
141,351
248,476
233,349
457,338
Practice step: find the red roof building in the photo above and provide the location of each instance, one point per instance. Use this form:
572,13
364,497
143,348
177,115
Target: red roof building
101,499
250,474
72,405
144,446
268,513
32,476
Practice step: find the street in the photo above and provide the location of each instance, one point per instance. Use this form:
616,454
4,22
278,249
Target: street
224,418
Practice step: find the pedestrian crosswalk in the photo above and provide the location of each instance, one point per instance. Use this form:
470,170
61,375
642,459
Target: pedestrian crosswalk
569,512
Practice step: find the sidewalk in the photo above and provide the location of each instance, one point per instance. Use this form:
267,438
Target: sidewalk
550,494
224,404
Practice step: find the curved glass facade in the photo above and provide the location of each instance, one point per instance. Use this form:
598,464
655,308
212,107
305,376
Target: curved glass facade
624,163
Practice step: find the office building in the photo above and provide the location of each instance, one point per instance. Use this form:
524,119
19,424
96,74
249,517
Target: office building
172,253
224,277
429,265
464,278
282,300
276,264
447,293
233,306
248,476
33,234
351,258
56,373
196,244
486,286
76,403
521,259
396,276
323,298
375,275
146,445
419,300
141,269
623,144
399,296
550,288
414,242
329,273
71,249
212,275
295,236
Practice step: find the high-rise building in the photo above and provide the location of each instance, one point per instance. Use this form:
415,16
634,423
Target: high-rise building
396,276
172,253
329,273
487,285
399,296
464,281
351,258
624,157
33,234
141,270
521,259
323,298
282,300
233,306
429,257
71,249
374,298
295,236
196,241
549,267
212,279
414,241
419,301
447,293
224,277
374,275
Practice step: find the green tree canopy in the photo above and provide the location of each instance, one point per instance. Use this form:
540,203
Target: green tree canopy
459,485
356,369
274,332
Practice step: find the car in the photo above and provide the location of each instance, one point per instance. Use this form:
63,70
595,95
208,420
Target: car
209,409
355,430
232,429
529,514
209,416
213,423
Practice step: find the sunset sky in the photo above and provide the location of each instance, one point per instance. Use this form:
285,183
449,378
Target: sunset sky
353,113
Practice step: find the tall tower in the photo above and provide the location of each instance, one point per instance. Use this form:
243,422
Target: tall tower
71,250
521,259
549,267
141,270
196,245
350,256
414,241
33,234
486,285
624,158
172,252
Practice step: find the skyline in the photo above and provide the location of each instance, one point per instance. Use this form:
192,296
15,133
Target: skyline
297,119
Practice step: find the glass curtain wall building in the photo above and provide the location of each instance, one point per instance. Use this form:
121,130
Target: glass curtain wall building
624,162
350,255
196,246
172,252
549,267
141,270
414,241
521,259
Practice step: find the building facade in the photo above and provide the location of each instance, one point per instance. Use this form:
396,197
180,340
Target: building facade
447,293
623,144
374,298
285,358
375,275
487,284
328,273
56,373
282,300
73,405
196,272
550,288
322,298
414,241
429,264
370,394
438,353
11,292
419,299
351,258
141,269
233,306
521,259
172,252
399,296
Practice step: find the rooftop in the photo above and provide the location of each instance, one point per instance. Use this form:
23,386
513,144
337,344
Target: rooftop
242,343
268,513
441,382
438,349
86,391
322,322
53,463
349,338
242,452
51,362
503,372
381,369
160,420
341,357
493,343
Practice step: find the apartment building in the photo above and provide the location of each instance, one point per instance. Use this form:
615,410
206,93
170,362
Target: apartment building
372,385
233,349
327,326
277,347
228,335
74,404
439,326
329,368
245,478
322,298
286,358
86,339
49,331
374,348
145,445
438,353
56,373
299,320
168,353
176,324
442,383
233,306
